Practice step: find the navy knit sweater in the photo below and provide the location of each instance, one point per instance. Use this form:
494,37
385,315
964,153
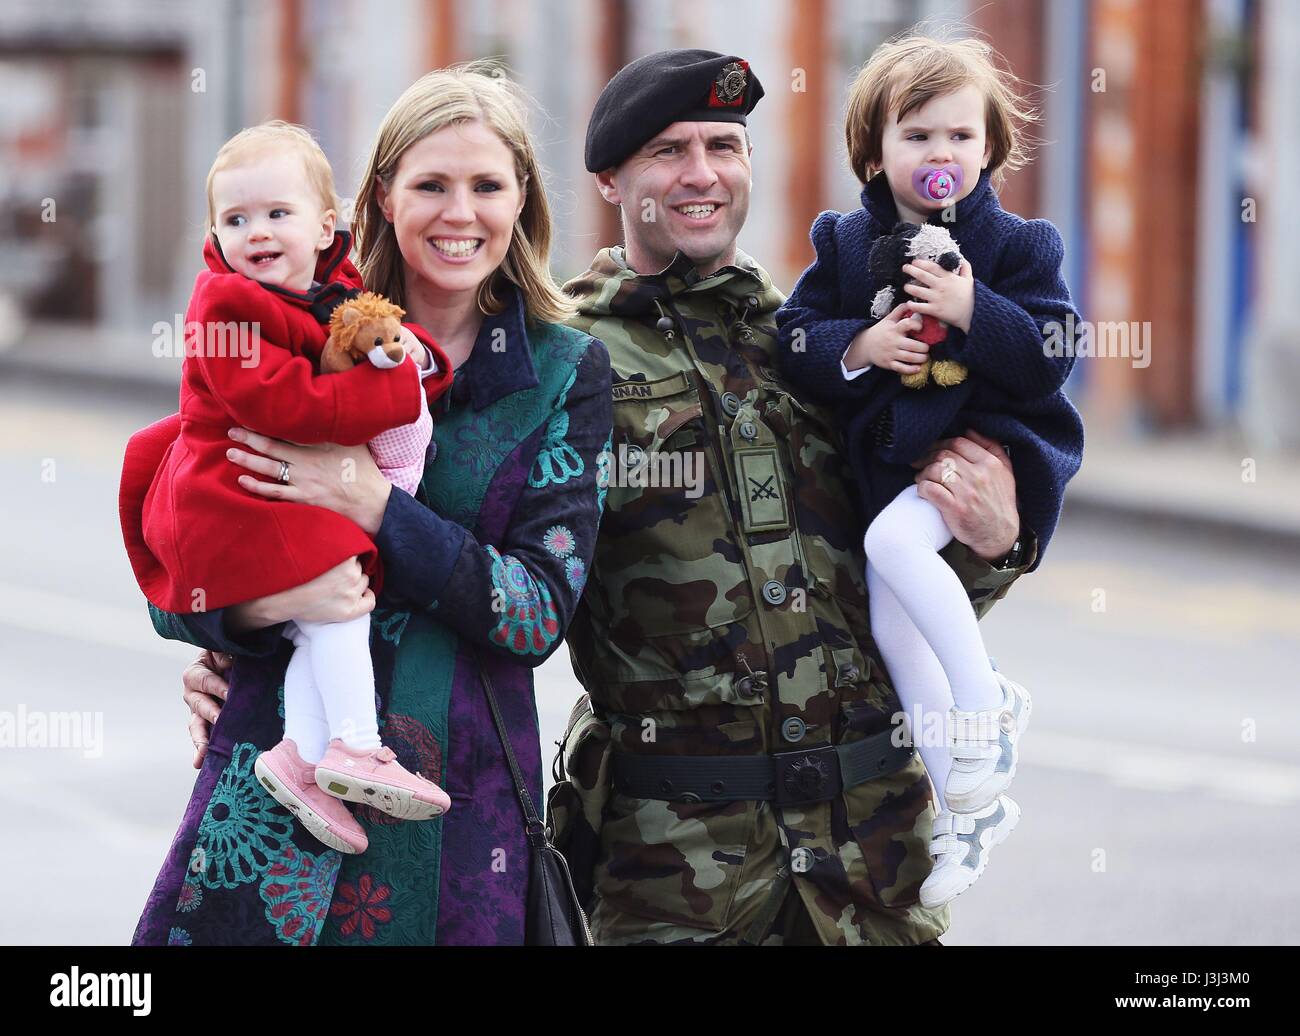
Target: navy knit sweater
1013,391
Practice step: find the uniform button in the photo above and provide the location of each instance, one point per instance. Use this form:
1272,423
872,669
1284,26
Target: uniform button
730,403
773,592
793,729
848,673
745,687
748,430
801,860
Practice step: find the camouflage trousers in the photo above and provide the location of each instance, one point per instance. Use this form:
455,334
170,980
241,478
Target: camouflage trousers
789,925
794,926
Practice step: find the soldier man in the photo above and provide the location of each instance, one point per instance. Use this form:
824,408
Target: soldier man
734,778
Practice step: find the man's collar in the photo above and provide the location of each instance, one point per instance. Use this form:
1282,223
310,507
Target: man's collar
682,275
502,360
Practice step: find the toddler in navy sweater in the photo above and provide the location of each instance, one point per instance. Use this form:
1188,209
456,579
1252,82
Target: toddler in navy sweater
930,123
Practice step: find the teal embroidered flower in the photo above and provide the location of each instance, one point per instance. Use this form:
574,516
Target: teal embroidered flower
557,461
559,541
529,624
179,937
479,444
576,573
604,465
191,897
391,625
243,829
297,890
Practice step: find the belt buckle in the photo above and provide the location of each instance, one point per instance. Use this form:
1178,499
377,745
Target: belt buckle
810,775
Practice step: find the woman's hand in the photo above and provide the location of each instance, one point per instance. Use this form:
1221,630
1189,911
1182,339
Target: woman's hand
341,478
341,594
204,689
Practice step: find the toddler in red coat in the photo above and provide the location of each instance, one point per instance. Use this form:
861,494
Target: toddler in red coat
255,330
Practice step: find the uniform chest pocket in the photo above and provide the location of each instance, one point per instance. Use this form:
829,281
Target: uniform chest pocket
667,552
824,499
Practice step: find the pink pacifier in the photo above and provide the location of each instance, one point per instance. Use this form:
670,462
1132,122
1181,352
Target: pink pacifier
937,183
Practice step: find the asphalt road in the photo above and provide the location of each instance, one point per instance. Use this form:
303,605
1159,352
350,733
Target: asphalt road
1159,781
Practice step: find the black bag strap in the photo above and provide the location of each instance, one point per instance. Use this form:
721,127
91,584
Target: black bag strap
535,829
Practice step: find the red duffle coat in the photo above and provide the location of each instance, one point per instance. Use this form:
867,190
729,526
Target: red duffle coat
196,539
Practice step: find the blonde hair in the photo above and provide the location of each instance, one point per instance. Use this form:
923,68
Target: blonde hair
472,92
910,69
256,141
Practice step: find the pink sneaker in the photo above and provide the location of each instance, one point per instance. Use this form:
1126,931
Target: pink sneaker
375,777
292,783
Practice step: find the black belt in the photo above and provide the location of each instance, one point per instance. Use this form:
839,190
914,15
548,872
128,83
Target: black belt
814,774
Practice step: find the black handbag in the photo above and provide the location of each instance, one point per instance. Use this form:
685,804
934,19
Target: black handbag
553,915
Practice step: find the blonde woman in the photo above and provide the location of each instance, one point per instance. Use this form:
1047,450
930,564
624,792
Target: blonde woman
486,562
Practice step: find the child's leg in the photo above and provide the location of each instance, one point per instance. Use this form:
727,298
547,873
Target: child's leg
345,678
903,545
917,677
304,718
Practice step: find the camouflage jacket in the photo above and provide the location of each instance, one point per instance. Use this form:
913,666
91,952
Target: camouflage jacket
726,598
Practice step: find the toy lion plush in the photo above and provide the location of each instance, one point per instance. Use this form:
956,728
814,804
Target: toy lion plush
367,327
906,243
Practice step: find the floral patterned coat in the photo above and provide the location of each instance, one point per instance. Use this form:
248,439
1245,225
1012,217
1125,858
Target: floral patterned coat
488,560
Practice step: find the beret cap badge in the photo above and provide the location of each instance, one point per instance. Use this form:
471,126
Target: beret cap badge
729,87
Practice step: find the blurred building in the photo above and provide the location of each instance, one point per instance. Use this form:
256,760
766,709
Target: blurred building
1169,131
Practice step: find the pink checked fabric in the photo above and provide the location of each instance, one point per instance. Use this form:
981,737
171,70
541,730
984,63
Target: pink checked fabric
399,452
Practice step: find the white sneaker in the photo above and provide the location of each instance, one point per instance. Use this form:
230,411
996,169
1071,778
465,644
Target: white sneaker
960,848
984,753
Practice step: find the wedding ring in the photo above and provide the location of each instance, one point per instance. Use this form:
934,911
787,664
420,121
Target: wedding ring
949,472
284,473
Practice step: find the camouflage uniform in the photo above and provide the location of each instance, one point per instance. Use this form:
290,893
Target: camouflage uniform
734,623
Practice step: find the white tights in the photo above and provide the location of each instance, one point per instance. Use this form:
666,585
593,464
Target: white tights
924,625
329,687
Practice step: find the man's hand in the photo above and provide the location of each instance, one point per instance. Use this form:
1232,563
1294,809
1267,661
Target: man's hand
205,690
978,501
945,295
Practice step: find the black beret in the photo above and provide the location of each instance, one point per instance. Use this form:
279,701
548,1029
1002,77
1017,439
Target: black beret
671,86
